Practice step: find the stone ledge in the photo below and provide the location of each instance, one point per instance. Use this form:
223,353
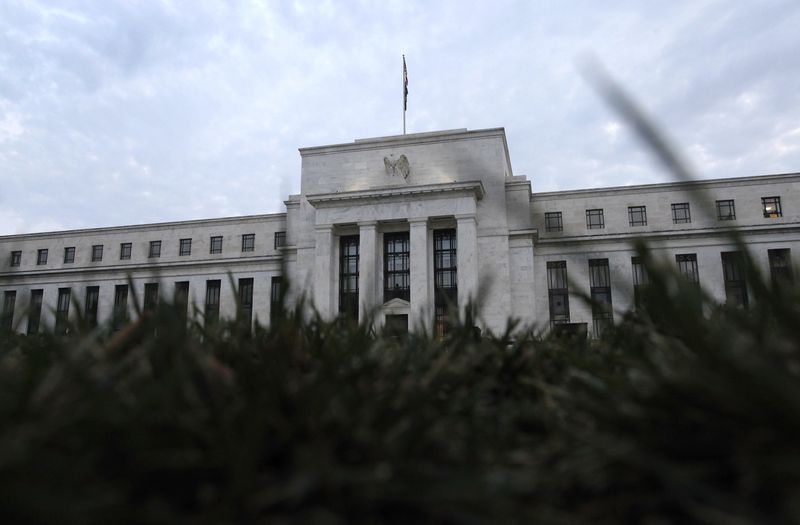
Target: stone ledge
332,199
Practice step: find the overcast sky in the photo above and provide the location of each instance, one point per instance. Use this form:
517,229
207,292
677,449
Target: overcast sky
125,112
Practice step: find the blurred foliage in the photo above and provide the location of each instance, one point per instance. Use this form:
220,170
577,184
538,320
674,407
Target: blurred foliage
687,411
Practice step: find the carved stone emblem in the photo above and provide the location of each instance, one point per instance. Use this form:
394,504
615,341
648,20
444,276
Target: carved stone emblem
397,167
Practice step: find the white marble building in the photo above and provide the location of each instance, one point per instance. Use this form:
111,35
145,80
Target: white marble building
397,228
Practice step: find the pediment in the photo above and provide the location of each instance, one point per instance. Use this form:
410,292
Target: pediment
396,303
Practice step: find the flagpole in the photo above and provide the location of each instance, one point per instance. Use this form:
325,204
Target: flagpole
403,85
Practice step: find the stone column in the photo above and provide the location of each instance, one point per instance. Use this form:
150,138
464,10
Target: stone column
324,271
467,257
421,303
367,272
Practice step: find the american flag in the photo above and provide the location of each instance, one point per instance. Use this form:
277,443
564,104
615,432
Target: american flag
405,85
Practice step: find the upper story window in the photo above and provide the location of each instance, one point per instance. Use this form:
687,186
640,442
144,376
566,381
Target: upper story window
41,256
396,268
185,247
681,213
637,215
155,249
687,265
558,291
97,252
594,219
772,207
726,210
16,258
248,242
280,239
552,221
124,251
69,255
216,244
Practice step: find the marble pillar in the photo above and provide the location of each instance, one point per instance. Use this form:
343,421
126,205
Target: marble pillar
324,271
467,254
421,298
367,270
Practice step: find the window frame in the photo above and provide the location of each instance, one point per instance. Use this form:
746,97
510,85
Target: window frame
41,256
246,288
637,215
600,291
734,278
97,252
591,223
683,207
248,242
349,251
553,222
119,315
215,244
687,266
91,302
776,202
7,315
212,303
558,289
35,311
780,265
154,251
69,255
445,278
275,297
16,258
279,239
62,310
730,204
184,247
125,249
398,256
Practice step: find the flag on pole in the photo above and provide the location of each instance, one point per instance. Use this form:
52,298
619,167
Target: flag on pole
405,85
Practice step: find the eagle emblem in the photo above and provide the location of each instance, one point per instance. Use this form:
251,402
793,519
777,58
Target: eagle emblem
397,167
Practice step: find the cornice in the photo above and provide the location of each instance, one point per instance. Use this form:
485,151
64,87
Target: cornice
319,200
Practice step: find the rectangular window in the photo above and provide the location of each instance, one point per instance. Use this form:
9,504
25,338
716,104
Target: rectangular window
150,297
212,301
124,251
216,244
248,242
120,316
62,310
733,274
348,276
780,265
7,319
92,299
726,210
246,302
558,291
155,249
275,297
396,268
181,298
552,221
681,213
445,278
594,219
687,265
640,280
97,252
69,255
41,256
637,215
16,258
772,207
185,247
280,239
600,288
35,313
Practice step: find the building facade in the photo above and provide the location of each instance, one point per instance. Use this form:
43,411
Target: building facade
400,229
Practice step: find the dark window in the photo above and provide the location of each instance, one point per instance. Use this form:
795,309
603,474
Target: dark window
120,316
92,299
41,256
445,278
155,249
600,288
733,274
246,302
280,239
62,310
275,297
16,258
396,325
637,215
552,221
69,255
216,244
212,301
681,213
97,252
726,210
780,265
687,265
248,242
772,207
348,276
640,279
185,247
7,320
558,291
35,311
124,251
181,299
150,297
396,269
594,219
